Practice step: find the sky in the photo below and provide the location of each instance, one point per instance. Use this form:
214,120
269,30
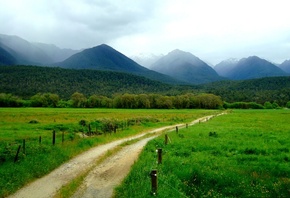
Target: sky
213,30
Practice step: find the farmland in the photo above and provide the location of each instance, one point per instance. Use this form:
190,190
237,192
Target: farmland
242,154
72,128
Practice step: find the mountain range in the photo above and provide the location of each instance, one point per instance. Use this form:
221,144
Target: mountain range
27,53
177,67
248,68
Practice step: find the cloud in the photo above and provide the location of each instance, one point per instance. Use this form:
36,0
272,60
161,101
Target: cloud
210,29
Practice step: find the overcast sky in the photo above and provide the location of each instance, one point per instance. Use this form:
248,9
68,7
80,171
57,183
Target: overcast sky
213,30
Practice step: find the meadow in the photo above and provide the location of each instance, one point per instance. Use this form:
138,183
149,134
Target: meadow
32,129
244,153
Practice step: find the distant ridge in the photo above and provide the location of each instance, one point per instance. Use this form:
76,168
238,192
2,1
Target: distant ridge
185,66
248,68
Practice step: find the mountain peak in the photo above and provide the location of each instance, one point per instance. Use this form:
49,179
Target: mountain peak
185,66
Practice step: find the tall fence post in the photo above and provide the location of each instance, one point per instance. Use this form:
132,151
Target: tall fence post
176,129
24,151
166,139
17,153
53,137
62,137
187,126
39,140
159,151
154,184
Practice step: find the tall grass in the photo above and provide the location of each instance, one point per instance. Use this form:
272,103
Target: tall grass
241,154
40,159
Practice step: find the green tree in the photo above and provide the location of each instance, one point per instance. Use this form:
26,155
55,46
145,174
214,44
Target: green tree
268,105
78,100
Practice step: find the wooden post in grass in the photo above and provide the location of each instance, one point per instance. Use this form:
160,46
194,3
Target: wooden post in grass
53,137
39,140
187,126
176,129
89,130
159,151
17,153
166,139
23,146
154,184
62,137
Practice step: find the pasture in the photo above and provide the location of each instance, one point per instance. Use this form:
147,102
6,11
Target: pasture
73,128
244,153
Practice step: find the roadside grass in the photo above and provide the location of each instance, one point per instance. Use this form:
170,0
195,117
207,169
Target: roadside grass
41,158
242,154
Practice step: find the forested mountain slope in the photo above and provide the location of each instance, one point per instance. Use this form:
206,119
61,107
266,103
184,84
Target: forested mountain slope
25,81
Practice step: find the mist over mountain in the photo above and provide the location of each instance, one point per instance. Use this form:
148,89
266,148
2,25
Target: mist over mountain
28,53
146,59
104,57
285,66
254,67
55,53
24,51
187,67
223,68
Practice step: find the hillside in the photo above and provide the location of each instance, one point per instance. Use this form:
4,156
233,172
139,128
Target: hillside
285,66
104,57
186,67
26,81
254,67
6,58
254,90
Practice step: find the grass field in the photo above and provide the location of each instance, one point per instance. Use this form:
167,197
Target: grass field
242,154
38,159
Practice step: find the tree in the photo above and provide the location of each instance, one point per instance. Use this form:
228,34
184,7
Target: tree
268,105
78,100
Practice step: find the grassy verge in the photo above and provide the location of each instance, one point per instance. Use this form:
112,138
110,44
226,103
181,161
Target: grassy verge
41,158
241,154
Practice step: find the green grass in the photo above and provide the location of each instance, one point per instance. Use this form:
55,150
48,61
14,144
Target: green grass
241,154
40,159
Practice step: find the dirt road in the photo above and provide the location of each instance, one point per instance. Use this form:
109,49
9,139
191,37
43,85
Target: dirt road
101,181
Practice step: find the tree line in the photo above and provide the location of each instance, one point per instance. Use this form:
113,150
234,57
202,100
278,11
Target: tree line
127,101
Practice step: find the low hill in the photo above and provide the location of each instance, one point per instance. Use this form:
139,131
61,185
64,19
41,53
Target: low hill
104,57
254,67
186,67
26,81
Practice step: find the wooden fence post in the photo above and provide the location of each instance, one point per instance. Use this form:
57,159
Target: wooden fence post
17,153
39,140
24,151
159,151
53,137
176,129
187,126
166,139
90,133
154,184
